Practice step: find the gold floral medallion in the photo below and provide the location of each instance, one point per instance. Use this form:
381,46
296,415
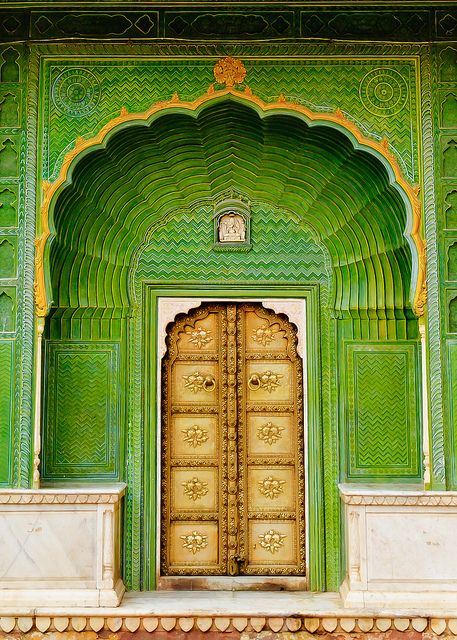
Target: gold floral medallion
229,71
194,541
269,432
272,540
195,488
271,487
195,436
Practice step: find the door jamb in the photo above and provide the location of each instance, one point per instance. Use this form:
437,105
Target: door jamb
313,446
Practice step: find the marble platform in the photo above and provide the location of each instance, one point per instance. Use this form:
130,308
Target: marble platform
400,548
223,611
60,546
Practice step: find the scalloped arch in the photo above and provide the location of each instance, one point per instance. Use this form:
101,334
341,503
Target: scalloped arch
361,218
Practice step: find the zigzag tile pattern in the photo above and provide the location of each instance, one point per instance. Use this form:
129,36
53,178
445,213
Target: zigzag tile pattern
313,173
134,87
452,390
382,426
80,421
6,393
282,250
81,404
335,84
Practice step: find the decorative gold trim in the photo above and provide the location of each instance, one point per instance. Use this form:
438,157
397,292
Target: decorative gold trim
229,71
281,105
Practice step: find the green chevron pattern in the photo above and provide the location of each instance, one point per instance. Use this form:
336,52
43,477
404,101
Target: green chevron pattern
383,419
81,431
6,397
452,395
339,83
314,172
282,251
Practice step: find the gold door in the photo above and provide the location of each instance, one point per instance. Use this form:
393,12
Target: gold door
232,445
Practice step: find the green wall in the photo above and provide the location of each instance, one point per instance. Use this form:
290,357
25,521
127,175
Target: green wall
325,219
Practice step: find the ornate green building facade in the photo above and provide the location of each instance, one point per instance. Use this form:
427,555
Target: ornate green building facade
123,126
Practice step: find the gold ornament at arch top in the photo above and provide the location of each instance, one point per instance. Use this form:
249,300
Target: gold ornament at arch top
231,72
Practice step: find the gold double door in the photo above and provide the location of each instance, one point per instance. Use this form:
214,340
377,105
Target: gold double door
232,445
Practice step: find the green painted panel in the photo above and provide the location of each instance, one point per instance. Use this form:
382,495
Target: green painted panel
452,404
383,411
81,437
282,250
378,94
6,397
8,256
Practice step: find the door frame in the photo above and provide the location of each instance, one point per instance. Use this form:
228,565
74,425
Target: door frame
152,354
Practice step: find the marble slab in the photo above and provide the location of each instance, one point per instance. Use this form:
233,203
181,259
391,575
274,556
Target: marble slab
60,546
400,548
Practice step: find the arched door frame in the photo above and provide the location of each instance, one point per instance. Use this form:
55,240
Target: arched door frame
152,350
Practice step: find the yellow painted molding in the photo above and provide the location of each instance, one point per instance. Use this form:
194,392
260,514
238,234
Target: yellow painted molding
281,105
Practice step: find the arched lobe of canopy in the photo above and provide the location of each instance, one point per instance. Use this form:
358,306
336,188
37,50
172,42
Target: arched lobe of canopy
335,120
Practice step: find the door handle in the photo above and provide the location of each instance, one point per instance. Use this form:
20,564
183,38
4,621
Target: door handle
254,382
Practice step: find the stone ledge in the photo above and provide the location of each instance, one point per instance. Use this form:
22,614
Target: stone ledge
379,496
101,494
221,624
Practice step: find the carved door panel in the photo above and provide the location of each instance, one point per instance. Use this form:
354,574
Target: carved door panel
232,435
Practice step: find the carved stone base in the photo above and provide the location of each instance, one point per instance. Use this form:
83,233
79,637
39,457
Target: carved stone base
400,549
60,547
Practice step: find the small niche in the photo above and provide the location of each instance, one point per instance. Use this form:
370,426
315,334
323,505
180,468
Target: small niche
8,159
232,224
450,160
452,262
448,67
9,71
7,258
9,112
8,212
449,112
6,311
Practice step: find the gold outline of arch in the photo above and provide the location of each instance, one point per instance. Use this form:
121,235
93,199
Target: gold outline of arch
281,105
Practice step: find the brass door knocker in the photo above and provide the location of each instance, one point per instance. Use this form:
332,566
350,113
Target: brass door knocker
209,383
254,382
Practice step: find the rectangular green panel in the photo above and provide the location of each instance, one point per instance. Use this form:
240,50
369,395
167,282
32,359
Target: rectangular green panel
6,409
383,412
452,405
81,434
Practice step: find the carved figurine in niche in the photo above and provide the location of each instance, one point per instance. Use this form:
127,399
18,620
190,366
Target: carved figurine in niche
450,160
8,217
8,159
449,112
448,68
452,262
6,312
7,261
10,68
232,228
